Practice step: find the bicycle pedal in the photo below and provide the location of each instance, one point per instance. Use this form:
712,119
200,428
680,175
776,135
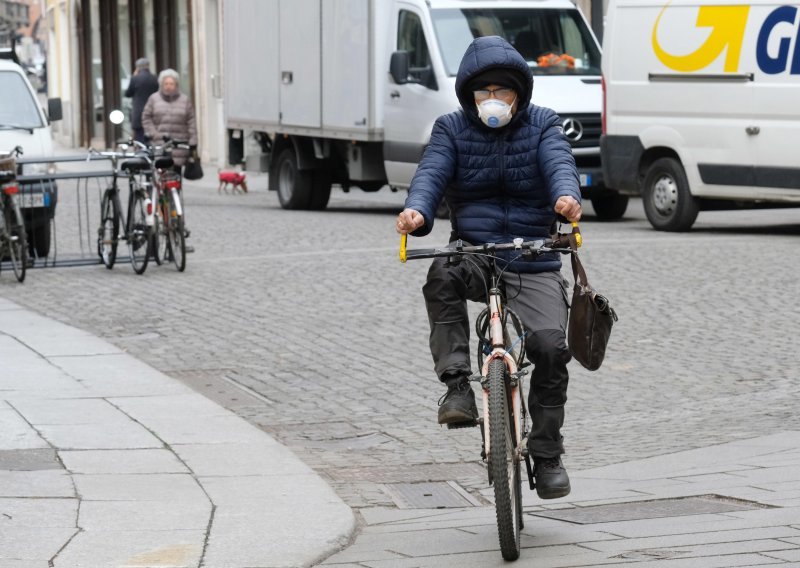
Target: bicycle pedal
464,424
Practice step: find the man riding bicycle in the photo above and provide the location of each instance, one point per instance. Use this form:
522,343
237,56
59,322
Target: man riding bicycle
506,170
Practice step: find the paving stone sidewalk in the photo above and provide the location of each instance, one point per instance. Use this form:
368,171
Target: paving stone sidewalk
106,462
734,504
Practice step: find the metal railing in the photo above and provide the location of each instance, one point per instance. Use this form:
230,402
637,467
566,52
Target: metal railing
73,226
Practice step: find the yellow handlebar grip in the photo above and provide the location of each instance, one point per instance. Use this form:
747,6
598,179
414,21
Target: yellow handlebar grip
403,243
577,232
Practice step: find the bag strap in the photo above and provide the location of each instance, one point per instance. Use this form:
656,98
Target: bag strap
578,273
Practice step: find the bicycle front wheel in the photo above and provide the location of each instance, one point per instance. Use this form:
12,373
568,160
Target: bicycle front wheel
139,239
108,233
177,238
160,236
503,464
17,245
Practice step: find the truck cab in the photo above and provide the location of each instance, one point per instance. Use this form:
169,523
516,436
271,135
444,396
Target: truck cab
23,123
552,35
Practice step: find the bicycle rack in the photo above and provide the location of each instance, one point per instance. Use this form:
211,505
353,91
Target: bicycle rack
82,250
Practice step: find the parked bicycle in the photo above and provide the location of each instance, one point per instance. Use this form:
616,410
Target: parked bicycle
501,360
169,232
137,227
13,242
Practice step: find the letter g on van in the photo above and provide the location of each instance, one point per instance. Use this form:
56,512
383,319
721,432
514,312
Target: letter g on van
727,25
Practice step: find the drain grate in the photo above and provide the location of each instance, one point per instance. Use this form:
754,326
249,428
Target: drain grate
655,509
438,495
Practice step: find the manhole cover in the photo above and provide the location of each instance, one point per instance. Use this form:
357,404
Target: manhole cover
439,495
408,473
637,510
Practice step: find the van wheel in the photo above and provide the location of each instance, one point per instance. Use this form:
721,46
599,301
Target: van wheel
293,185
610,206
668,203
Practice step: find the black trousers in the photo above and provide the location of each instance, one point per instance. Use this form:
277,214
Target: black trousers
542,304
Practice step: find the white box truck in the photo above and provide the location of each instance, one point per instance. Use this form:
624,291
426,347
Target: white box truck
347,91
702,105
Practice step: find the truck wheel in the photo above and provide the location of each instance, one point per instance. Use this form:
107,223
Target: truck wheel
321,190
293,185
668,203
39,240
610,206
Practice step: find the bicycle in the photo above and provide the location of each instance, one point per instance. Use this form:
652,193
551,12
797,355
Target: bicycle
501,358
169,234
137,227
13,241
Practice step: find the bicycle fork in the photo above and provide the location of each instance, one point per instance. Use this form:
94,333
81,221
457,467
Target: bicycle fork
499,352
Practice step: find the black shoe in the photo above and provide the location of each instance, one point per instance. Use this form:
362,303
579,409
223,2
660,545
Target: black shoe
552,480
458,403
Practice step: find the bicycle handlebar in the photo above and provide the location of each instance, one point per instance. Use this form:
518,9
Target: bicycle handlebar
560,244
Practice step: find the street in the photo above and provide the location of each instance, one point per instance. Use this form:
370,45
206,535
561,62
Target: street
306,325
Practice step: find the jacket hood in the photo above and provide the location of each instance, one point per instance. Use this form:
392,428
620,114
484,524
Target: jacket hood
495,53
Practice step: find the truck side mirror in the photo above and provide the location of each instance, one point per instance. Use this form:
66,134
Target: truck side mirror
398,67
54,110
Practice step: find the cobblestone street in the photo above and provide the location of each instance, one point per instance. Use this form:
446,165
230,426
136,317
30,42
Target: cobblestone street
307,325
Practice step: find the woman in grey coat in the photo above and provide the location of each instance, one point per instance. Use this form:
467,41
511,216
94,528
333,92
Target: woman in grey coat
170,113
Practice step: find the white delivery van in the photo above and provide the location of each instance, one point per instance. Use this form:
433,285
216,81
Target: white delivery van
23,123
702,105
347,91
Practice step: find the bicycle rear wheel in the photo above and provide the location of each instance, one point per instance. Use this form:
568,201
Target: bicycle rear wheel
139,235
177,238
503,464
108,233
17,245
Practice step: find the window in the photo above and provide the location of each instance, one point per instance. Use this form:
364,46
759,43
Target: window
17,105
553,42
411,38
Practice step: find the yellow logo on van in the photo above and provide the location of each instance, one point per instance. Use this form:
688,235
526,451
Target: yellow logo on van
727,25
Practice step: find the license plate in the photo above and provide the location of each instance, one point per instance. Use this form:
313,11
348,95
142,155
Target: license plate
586,180
30,200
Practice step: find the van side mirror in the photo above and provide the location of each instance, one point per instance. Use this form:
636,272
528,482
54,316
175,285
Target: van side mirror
54,110
398,67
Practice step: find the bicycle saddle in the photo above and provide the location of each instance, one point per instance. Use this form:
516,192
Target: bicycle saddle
164,162
134,165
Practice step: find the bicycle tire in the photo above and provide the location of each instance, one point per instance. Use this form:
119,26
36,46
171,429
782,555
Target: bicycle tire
108,233
139,235
17,247
177,238
504,467
160,236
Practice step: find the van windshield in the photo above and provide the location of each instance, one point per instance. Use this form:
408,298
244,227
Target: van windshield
18,108
554,42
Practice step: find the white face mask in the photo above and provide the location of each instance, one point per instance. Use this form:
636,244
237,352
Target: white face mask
495,113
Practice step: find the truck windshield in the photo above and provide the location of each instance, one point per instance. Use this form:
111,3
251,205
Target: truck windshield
17,106
554,42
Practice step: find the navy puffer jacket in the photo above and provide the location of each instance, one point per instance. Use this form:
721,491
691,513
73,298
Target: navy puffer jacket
500,183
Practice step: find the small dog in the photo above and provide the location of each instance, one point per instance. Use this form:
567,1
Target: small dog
235,180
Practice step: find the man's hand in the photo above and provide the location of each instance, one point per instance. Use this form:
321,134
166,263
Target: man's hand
409,221
569,207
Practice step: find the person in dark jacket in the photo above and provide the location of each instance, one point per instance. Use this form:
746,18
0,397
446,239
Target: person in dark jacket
141,86
506,170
